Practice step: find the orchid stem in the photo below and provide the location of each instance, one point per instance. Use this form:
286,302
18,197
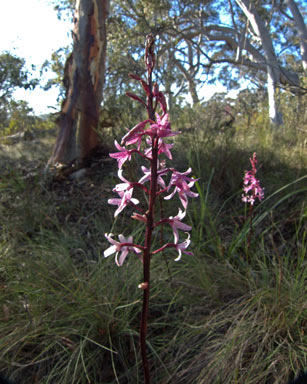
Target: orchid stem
149,222
250,230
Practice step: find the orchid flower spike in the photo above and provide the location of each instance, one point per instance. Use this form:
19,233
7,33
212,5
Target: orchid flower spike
252,189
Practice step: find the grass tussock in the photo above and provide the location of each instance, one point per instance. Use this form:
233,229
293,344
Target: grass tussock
235,312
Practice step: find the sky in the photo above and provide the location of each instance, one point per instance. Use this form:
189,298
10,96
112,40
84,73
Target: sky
30,29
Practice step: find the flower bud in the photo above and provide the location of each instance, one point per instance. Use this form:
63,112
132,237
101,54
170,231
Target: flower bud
143,286
137,216
145,87
135,77
162,102
155,90
135,97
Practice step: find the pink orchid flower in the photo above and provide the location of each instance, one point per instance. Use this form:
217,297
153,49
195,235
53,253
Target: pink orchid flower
125,199
162,128
182,185
117,247
135,134
164,121
175,223
182,248
163,148
147,176
122,186
121,156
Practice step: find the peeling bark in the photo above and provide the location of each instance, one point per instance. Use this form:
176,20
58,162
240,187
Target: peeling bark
83,79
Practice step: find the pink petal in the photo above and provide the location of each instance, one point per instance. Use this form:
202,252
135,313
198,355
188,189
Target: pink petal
123,255
170,196
109,251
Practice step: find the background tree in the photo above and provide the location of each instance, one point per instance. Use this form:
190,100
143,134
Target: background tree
13,74
258,43
214,41
83,80
275,74
56,64
238,42
179,65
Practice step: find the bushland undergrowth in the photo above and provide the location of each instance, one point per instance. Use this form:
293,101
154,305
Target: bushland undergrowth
228,314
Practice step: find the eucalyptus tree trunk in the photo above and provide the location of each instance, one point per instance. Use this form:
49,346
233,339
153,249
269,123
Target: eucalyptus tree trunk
273,67
83,79
302,30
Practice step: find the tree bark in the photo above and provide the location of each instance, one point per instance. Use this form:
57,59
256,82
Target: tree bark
273,68
83,79
302,30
